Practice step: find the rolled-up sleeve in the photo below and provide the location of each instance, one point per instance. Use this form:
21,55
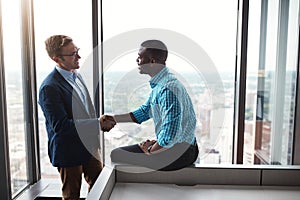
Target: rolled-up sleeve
142,113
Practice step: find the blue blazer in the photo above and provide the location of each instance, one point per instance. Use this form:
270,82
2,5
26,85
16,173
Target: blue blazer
73,132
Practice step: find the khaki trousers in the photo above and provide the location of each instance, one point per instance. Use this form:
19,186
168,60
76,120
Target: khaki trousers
71,178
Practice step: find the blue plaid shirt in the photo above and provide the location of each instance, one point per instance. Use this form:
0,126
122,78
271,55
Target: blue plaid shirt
171,108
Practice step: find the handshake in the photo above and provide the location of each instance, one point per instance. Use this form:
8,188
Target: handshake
107,122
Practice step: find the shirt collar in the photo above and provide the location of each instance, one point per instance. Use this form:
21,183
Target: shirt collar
66,74
155,79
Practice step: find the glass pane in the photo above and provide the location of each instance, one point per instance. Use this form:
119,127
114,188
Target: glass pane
271,82
196,21
53,17
291,81
14,94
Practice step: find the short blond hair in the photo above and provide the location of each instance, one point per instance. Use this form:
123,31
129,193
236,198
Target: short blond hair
55,43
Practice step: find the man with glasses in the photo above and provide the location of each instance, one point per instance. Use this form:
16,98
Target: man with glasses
71,121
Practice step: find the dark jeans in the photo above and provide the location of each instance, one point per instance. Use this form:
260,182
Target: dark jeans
179,156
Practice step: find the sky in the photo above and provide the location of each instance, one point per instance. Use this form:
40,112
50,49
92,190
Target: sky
210,24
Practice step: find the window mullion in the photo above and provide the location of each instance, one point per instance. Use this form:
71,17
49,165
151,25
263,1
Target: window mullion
30,96
280,75
241,87
5,181
296,137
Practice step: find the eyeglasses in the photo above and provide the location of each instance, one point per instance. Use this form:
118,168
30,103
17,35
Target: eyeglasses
74,54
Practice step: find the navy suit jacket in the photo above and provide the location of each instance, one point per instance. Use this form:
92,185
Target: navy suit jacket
73,132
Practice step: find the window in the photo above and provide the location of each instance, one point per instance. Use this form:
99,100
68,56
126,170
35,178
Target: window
271,82
68,17
198,22
14,83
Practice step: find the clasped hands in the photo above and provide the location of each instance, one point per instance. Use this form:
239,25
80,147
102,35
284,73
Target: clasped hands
107,122
147,145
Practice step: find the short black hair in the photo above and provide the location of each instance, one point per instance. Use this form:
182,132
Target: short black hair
156,49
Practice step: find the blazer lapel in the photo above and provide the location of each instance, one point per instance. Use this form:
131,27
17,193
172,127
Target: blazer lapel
69,87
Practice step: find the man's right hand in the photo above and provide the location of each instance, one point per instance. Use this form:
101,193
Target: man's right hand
107,122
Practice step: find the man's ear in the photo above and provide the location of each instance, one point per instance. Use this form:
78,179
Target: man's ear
55,58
